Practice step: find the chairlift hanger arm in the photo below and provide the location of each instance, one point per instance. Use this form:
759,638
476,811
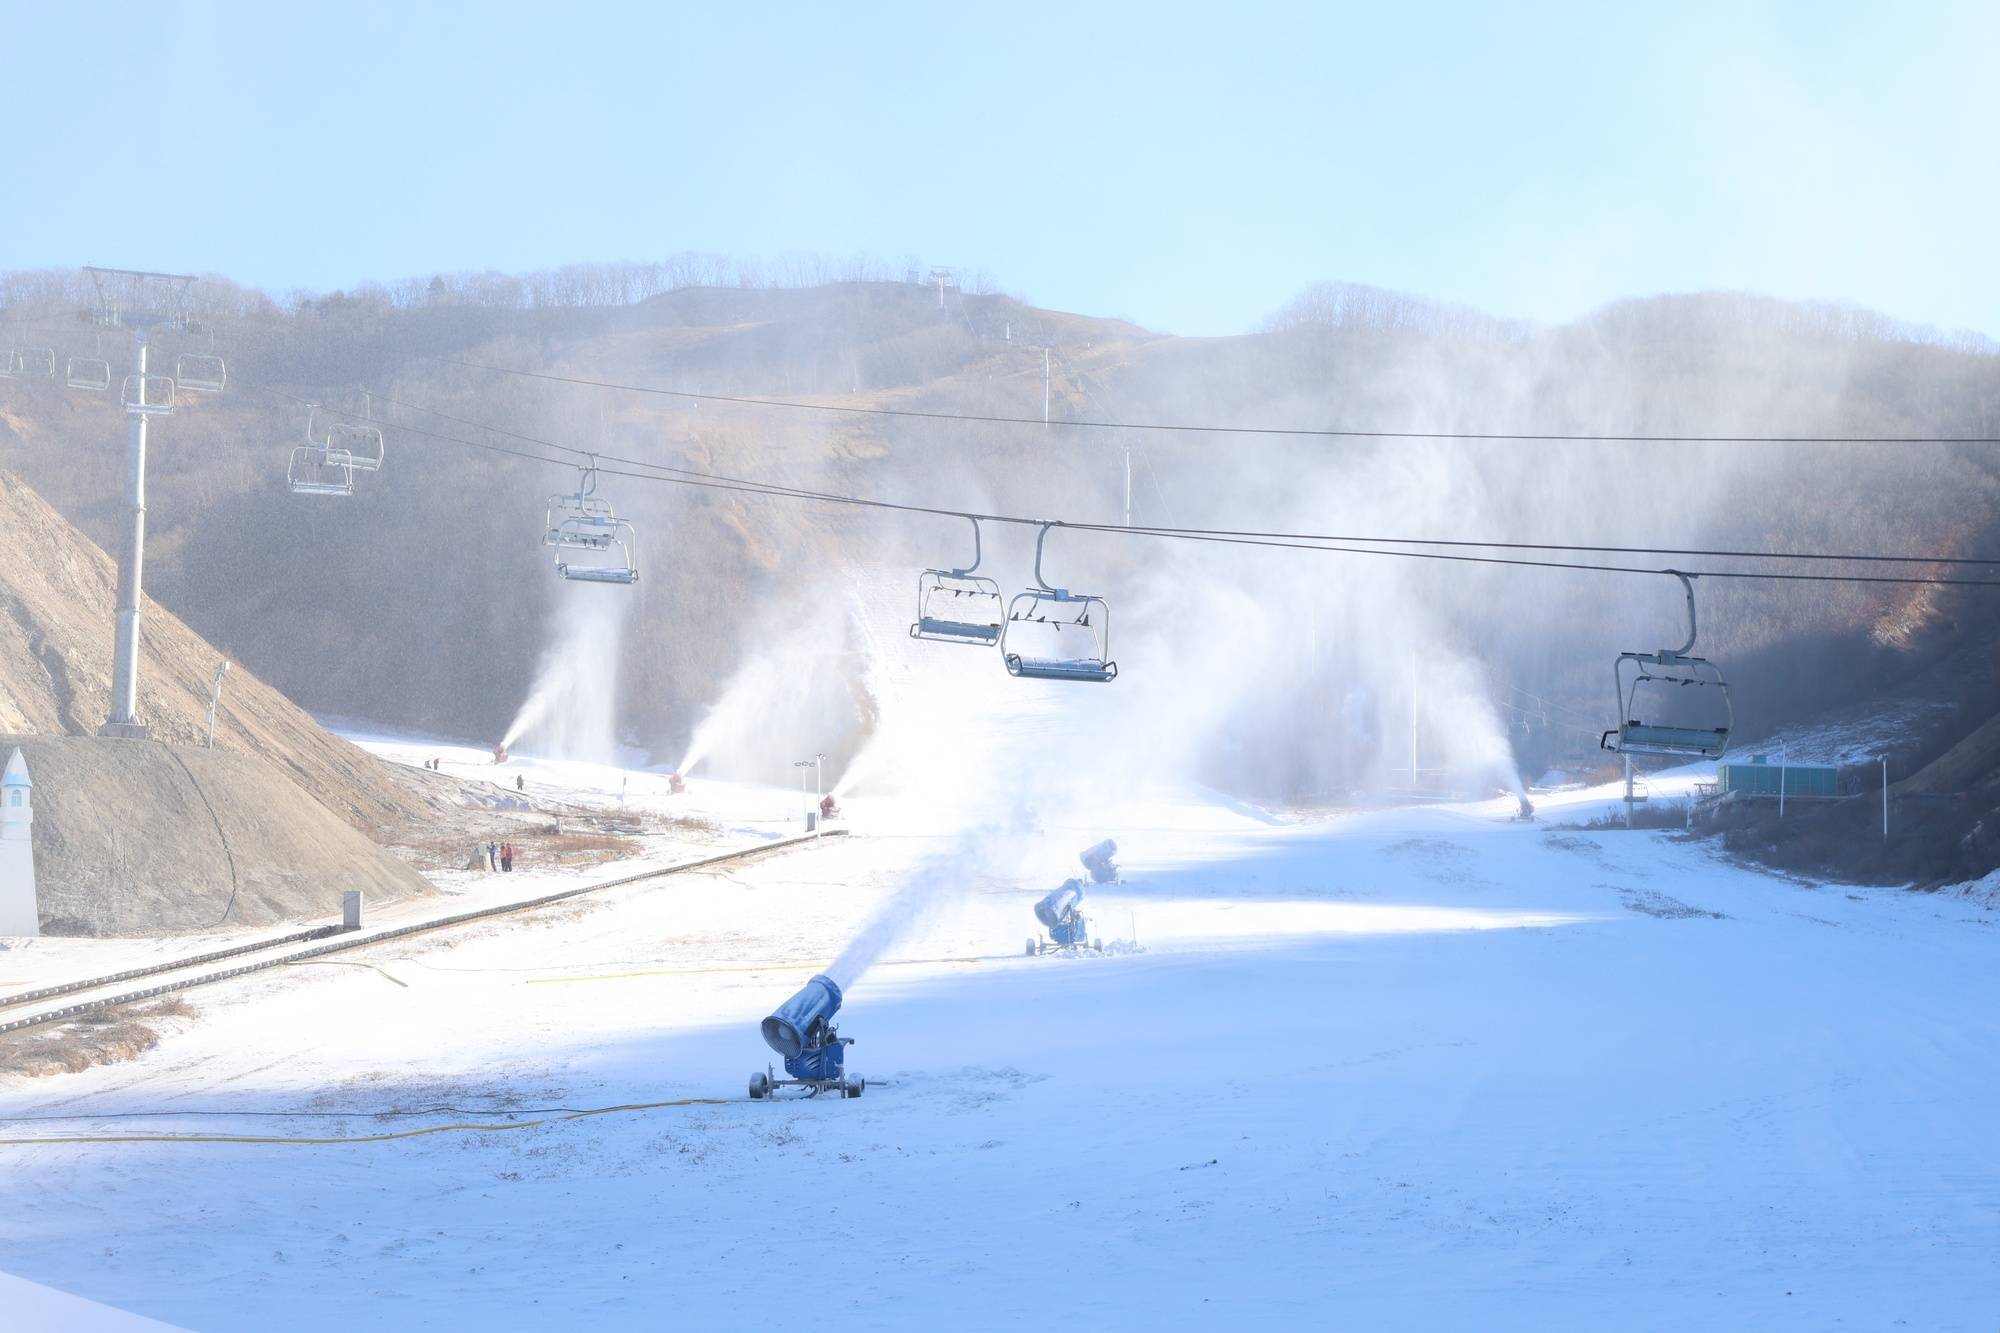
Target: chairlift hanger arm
977,551
1040,539
1687,586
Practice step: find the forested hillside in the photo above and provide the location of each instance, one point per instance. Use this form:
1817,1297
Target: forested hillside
426,599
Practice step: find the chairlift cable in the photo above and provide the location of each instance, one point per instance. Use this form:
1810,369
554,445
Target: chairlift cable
1707,552
712,481
1168,427
1232,536
1171,531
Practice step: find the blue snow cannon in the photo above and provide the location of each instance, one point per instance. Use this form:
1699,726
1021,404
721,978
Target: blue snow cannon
1097,860
815,1055
1067,926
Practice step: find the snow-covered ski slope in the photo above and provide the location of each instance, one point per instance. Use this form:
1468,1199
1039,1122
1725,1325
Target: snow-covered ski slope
1405,1068
1415,1068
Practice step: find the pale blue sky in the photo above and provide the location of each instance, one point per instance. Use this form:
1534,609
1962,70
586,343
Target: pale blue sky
1190,167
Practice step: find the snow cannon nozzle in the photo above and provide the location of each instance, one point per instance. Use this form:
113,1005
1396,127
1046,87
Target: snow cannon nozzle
803,1019
1059,905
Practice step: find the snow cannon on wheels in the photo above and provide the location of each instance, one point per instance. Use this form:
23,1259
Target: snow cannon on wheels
1097,860
815,1055
676,784
500,753
1069,929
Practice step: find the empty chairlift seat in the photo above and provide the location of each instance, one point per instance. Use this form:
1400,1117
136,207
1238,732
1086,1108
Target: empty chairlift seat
326,463
1637,737
957,605
311,472
149,394
568,528
355,445
612,539
1055,634
579,520
592,544
200,374
1658,691
88,372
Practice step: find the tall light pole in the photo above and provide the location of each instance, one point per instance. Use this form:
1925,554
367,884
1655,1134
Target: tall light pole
145,396
1128,483
802,765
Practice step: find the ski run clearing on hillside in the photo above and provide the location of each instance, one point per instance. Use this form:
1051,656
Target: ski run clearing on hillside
1414,1068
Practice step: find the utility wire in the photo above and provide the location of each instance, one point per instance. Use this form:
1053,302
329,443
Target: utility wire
1709,552
1169,531
1529,437
1279,541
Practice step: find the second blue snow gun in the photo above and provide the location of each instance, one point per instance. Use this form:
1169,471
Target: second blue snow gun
815,1054
1060,911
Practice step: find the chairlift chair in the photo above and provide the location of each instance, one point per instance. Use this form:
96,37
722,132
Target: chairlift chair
1088,618
957,605
312,472
355,445
591,532
36,363
614,539
581,520
201,374
1652,677
578,523
149,395
88,372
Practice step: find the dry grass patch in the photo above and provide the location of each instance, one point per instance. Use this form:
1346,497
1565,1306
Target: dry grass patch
102,1038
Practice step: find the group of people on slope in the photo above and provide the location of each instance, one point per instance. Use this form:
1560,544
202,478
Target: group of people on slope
500,856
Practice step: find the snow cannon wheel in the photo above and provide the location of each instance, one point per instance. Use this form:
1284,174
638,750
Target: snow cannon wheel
1097,946
1033,948
853,1087
760,1087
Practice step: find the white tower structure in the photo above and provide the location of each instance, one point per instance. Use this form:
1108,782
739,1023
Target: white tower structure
18,913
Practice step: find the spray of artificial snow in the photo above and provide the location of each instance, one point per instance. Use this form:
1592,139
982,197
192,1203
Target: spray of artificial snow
737,714
929,887
792,697
571,711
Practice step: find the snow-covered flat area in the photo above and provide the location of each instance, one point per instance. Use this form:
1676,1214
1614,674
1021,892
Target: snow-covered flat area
1405,1068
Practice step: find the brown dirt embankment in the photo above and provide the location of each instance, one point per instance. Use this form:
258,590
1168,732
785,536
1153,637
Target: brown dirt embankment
58,600
138,838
